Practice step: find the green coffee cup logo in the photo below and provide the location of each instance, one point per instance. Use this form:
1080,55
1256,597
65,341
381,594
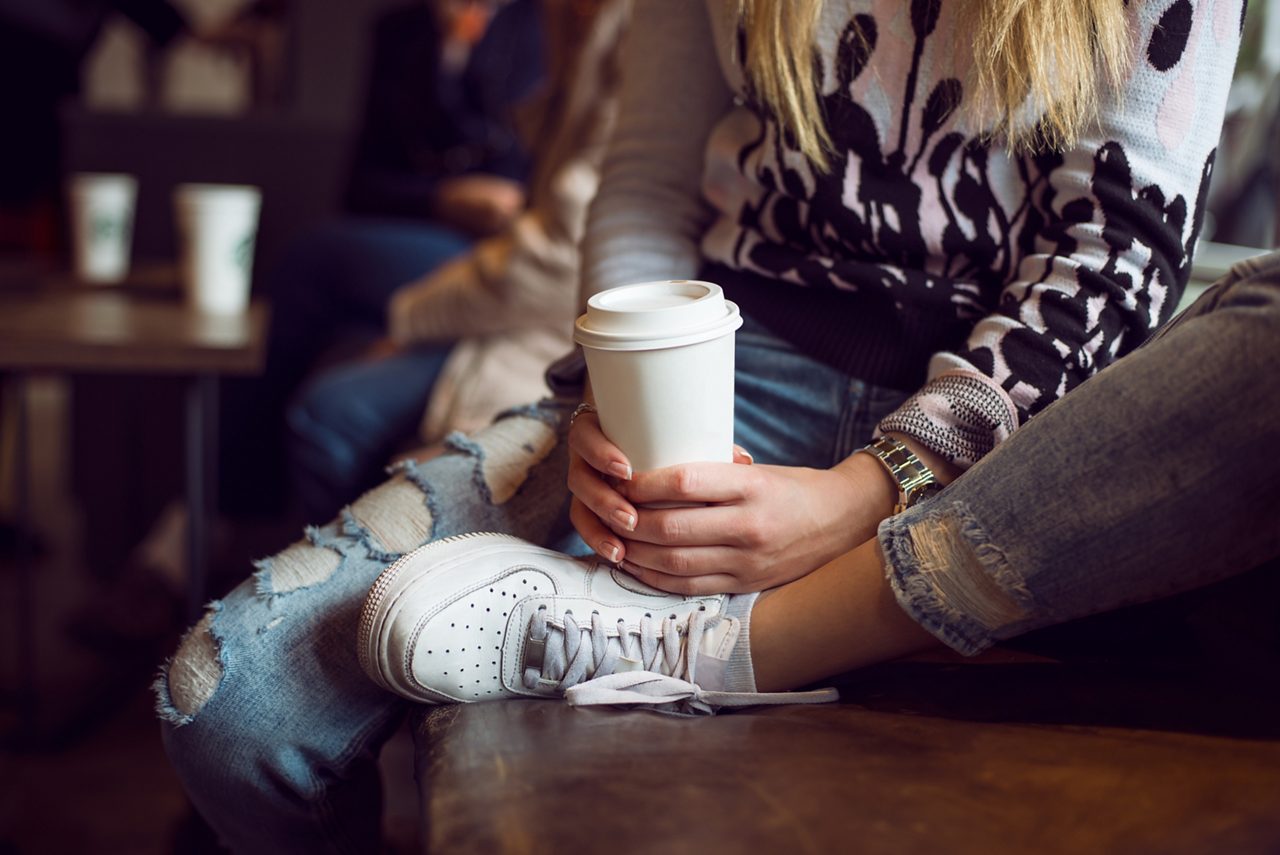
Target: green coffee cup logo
104,227
244,253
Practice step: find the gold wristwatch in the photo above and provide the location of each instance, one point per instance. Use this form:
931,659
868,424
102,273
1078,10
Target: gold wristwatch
915,480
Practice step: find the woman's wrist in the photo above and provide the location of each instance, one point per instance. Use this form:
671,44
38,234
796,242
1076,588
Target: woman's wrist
944,471
871,493
868,497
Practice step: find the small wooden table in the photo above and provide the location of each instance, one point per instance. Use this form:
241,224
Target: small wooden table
51,323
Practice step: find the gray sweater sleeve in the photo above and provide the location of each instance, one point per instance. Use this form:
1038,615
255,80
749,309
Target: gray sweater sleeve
646,221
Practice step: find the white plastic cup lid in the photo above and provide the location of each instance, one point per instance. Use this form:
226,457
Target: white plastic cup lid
652,315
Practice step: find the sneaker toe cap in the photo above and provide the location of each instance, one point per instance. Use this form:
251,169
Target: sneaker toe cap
456,650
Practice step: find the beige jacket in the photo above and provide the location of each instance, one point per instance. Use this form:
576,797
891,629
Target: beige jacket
510,303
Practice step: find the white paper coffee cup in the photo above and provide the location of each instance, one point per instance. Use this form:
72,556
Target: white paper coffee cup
660,358
102,210
218,227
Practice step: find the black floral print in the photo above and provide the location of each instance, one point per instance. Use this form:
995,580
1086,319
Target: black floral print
1057,262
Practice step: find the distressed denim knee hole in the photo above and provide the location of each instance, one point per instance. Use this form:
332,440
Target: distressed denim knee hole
396,515
301,565
506,451
190,678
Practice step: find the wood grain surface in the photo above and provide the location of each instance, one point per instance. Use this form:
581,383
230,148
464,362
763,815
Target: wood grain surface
136,330
946,766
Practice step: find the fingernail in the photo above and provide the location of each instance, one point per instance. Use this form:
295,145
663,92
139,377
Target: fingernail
620,470
608,551
744,453
624,519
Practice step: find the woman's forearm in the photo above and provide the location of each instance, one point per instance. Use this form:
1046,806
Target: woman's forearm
646,221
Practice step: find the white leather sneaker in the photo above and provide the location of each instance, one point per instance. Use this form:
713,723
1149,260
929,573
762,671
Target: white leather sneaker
488,616
451,620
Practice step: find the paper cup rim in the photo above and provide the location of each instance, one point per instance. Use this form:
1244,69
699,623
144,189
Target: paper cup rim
613,311
729,322
80,182
205,193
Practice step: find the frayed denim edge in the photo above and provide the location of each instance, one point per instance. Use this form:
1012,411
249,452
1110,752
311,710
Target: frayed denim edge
413,472
919,594
460,442
264,587
354,530
549,411
164,705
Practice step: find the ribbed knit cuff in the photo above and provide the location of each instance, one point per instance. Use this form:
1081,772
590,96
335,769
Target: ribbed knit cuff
960,415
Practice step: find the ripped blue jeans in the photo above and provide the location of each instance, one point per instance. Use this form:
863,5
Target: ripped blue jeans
1156,476
270,723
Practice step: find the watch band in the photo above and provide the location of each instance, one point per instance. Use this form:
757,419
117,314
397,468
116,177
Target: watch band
915,480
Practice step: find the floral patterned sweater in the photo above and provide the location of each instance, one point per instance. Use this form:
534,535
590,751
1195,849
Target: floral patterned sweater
926,258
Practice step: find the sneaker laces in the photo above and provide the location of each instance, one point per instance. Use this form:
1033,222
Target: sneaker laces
652,664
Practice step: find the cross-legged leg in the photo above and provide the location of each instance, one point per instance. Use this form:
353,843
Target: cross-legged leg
1156,476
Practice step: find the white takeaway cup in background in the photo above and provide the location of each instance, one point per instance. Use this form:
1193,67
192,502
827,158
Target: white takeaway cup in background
218,227
102,207
660,358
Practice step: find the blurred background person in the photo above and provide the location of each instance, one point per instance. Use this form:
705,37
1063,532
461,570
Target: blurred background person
438,163
372,304
501,312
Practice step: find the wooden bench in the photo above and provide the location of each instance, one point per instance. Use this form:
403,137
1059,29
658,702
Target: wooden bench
916,758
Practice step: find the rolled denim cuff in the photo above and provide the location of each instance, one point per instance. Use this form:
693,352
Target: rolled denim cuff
951,579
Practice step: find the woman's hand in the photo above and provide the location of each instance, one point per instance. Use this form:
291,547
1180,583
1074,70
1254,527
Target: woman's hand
744,527
748,528
596,467
478,203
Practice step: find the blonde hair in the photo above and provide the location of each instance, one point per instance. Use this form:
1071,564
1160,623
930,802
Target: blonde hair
779,64
1039,67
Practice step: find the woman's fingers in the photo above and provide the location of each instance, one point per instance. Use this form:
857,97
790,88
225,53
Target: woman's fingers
689,586
606,544
593,491
685,560
691,483
701,525
606,492
589,442
597,510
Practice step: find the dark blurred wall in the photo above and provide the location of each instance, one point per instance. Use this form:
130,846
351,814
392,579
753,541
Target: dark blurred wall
333,39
